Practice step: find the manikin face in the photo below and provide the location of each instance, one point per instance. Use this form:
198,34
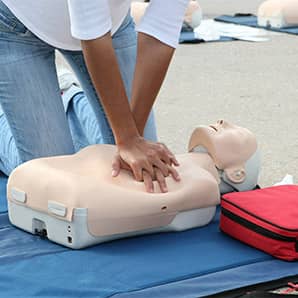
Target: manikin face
223,127
230,146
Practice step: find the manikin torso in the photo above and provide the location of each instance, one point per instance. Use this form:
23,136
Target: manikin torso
84,180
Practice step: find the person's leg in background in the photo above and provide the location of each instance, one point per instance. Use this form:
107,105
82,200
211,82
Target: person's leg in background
125,44
30,96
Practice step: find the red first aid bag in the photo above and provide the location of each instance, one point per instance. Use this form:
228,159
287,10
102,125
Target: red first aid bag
266,219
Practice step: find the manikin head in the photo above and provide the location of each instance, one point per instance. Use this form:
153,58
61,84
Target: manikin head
278,13
234,152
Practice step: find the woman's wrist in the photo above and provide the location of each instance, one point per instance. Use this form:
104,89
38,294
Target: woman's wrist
126,136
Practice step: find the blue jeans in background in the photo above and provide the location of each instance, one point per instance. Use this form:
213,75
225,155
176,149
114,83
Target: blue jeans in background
34,123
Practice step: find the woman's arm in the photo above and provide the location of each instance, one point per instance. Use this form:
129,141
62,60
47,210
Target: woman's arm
158,37
136,152
103,68
153,60
91,22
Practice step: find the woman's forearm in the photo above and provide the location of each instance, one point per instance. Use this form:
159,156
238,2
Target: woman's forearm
105,74
153,59
134,152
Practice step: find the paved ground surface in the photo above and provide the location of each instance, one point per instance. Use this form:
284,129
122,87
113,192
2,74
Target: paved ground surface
251,84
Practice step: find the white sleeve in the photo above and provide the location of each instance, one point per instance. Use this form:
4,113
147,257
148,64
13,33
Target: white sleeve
163,20
90,19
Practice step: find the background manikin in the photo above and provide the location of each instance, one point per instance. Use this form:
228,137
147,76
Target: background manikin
278,13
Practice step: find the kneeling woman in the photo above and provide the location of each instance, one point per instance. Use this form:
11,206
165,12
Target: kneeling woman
98,39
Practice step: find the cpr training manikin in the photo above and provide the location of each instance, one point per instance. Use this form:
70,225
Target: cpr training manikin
74,201
278,13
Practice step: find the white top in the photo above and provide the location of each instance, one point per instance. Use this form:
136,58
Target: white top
63,23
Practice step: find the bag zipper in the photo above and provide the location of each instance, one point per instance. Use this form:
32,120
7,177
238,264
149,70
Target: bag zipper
260,218
262,231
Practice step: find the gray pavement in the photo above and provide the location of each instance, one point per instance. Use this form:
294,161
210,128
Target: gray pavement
251,84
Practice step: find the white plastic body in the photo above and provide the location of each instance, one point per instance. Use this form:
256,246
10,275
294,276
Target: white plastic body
75,234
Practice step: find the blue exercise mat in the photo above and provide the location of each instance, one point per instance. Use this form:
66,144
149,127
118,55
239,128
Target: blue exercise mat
189,37
194,263
252,21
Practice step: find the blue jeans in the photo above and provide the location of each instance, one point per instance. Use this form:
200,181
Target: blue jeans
34,122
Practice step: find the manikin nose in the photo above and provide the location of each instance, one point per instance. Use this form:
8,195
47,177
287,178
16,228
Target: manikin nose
218,125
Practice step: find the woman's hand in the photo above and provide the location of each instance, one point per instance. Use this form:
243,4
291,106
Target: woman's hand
147,160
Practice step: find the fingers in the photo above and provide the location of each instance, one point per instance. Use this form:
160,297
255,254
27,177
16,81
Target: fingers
148,174
116,165
137,171
142,174
167,156
139,166
161,180
174,173
141,156
173,159
162,158
148,182
162,167
163,155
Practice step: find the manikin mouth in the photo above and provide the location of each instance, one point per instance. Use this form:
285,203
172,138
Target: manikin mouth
213,127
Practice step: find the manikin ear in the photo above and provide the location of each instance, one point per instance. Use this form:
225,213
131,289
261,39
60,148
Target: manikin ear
236,174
